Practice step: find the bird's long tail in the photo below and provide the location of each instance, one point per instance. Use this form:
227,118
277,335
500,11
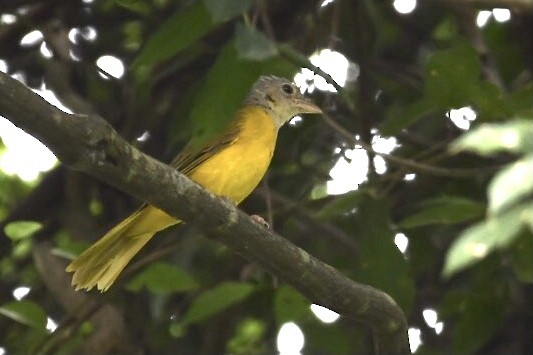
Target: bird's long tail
102,263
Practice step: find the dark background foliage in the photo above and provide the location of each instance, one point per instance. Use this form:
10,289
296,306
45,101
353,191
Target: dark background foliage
467,213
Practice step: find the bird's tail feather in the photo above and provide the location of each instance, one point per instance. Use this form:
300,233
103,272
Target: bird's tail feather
102,263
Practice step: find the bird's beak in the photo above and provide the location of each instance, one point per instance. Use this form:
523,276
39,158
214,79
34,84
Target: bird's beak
305,105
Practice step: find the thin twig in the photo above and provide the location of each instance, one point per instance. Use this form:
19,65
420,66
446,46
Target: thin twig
449,172
310,220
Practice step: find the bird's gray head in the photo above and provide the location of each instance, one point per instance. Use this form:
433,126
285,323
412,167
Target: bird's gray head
281,98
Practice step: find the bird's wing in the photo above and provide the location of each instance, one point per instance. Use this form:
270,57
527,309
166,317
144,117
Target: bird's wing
191,157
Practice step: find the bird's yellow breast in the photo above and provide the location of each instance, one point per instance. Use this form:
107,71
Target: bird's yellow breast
237,169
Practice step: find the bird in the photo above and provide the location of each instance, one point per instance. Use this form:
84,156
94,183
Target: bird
230,165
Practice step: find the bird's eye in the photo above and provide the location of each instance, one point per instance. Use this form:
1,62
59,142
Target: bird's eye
287,88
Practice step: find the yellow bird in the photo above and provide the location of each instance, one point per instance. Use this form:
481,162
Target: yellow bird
230,165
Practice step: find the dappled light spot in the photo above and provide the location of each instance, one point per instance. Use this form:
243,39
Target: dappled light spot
382,145
351,169
324,314
404,6
7,19
51,325
45,50
88,33
3,66
482,18
380,165
462,117
110,65
31,38
143,137
20,292
51,98
501,15
73,56
73,35
431,318
348,172
401,242
290,339
295,121
409,177
21,148
335,64
326,2
414,339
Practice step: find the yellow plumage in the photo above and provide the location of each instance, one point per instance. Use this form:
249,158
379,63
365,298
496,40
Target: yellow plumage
231,165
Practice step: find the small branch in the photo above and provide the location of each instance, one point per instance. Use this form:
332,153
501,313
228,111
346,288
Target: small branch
417,166
301,60
89,144
310,221
466,18
517,5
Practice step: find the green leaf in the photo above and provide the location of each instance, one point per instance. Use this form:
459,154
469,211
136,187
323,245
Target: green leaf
452,76
25,312
514,136
480,318
327,339
175,34
138,6
341,204
21,229
522,254
252,44
476,242
66,247
223,10
290,305
216,300
400,117
444,210
177,330
446,30
22,249
491,103
248,338
511,184
163,278
381,264
184,28
519,101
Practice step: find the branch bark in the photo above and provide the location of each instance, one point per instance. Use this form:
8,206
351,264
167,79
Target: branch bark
89,144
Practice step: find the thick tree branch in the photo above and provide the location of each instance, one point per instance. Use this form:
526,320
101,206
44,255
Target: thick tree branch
90,144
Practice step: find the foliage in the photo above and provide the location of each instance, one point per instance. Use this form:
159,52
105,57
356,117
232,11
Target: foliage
467,213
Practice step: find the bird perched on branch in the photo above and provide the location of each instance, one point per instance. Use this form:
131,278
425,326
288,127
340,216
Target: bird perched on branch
230,165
